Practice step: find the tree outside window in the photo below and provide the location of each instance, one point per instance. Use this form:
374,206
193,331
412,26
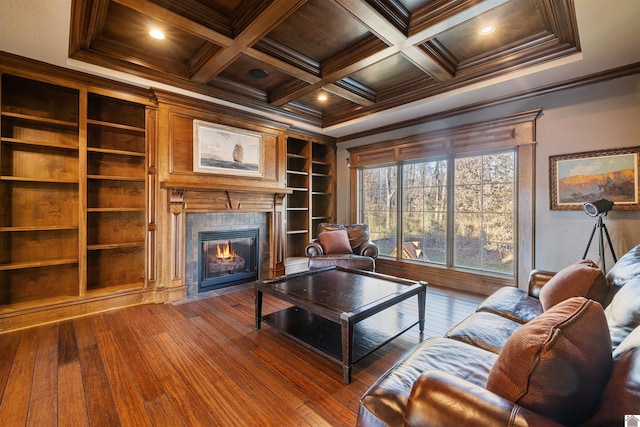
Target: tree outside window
424,211
378,193
483,221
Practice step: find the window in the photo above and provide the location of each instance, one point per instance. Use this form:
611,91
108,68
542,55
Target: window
424,211
378,192
463,202
483,218
479,223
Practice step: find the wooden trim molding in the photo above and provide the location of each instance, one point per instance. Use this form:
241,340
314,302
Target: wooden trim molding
510,131
615,73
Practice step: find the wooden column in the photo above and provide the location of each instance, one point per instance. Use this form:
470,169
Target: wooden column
276,261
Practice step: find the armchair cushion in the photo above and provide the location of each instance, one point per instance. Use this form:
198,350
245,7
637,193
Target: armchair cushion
581,279
557,364
358,236
335,242
357,262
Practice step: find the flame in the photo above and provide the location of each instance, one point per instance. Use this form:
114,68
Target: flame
224,253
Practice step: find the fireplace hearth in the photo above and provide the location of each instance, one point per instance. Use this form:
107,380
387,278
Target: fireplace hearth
227,258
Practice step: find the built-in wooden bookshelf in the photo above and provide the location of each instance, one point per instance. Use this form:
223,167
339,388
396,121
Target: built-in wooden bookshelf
116,193
322,185
311,177
39,189
73,181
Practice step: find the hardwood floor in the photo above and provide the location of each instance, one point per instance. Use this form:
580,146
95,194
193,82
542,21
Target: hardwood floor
199,363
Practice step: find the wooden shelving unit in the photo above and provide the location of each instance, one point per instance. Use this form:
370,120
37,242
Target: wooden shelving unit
311,177
73,182
322,185
116,194
298,202
39,188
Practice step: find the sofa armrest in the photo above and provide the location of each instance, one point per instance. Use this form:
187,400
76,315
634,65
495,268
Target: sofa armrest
369,249
441,399
314,249
537,279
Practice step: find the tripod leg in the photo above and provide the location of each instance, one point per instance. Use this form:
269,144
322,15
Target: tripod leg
613,253
590,240
601,245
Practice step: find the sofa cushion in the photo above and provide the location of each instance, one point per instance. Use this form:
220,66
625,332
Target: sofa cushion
557,364
488,331
626,268
581,279
386,400
335,242
623,313
621,396
512,303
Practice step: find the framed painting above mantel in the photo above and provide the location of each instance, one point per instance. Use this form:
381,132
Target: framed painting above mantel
585,177
220,149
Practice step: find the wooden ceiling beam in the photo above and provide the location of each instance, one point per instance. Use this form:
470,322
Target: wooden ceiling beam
367,53
427,63
297,67
348,93
386,31
159,13
463,11
277,12
95,14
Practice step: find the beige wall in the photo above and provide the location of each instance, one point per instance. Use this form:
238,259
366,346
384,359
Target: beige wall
594,117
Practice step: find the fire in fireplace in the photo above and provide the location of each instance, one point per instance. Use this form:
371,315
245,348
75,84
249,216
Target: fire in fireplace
227,258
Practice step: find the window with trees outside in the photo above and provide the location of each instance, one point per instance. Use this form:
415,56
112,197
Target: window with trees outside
466,221
453,206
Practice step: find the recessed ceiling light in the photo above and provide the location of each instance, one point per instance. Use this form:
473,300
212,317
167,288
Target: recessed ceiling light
156,34
258,73
322,97
487,30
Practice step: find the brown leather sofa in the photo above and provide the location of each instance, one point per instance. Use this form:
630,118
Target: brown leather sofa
359,252
444,381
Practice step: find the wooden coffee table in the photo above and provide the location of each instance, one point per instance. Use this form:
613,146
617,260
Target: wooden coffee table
341,313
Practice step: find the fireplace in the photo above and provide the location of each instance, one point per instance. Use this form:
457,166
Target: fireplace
227,258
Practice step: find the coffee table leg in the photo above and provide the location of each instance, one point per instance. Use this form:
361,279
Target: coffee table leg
258,308
346,328
422,299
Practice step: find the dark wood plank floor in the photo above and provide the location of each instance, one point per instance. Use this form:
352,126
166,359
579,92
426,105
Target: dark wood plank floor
199,363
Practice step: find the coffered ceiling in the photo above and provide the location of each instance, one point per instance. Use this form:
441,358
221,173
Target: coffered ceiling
382,63
280,56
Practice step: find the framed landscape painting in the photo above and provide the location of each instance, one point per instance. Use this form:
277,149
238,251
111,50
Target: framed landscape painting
220,149
590,176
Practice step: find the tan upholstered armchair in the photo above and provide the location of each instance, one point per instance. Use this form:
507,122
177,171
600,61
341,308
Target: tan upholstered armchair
342,245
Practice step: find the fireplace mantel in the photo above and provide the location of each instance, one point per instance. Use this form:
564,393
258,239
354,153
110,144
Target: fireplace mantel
218,200
182,201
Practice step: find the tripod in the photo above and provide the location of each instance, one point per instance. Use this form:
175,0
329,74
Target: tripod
601,226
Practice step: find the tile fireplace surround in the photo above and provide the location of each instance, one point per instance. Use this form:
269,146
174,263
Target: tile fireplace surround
204,222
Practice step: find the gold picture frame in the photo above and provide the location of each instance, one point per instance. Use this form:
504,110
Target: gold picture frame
220,149
593,175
